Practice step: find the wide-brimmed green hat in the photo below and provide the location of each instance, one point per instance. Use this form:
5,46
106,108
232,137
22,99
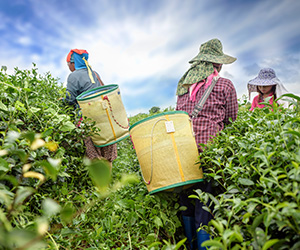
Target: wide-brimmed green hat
212,51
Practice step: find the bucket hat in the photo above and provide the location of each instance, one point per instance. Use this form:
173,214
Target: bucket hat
202,64
266,77
212,51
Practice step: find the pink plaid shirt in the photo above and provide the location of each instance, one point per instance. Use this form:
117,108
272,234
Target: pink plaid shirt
219,106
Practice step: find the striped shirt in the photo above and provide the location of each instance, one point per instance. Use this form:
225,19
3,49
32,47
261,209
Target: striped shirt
219,107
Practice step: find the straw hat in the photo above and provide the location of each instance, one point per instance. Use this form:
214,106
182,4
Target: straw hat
212,51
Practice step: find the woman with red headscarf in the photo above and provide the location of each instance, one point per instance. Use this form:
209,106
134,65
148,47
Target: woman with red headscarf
82,79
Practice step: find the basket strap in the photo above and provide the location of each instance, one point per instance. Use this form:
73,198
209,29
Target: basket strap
99,79
107,114
200,104
112,114
176,153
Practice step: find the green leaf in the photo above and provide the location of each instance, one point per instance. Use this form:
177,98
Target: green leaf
154,244
290,95
151,238
30,136
157,221
34,110
212,243
180,244
292,132
258,219
100,173
67,231
67,126
245,182
129,179
3,107
22,194
67,212
269,243
6,197
47,132
50,207
50,170
20,237
218,226
4,167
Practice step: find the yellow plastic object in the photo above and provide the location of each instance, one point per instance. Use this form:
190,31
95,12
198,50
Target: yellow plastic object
167,151
104,105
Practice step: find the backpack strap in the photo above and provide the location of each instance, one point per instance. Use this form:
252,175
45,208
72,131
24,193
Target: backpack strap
200,104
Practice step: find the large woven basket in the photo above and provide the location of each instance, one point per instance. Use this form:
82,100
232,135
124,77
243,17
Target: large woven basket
104,105
167,152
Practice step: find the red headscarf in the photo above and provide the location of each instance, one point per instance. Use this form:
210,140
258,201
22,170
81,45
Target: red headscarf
78,51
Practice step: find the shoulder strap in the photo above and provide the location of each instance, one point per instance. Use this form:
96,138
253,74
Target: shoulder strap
200,104
98,77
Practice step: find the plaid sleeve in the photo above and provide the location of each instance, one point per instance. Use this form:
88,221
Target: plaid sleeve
231,105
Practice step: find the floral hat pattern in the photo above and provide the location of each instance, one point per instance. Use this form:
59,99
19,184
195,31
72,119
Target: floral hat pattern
212,51
266,77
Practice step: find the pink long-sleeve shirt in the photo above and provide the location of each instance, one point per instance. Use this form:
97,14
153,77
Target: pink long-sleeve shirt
257,100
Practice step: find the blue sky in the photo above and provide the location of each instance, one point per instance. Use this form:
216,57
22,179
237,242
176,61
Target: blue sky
144,45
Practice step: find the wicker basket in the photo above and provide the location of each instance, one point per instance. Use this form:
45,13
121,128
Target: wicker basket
104,106
167,152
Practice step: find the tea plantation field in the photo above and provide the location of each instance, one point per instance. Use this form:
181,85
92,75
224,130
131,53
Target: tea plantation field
51,197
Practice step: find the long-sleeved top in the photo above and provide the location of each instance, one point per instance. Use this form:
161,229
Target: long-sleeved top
257,100
219,107
79,82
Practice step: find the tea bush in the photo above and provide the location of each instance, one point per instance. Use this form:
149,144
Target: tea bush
48,197
51,199
254,163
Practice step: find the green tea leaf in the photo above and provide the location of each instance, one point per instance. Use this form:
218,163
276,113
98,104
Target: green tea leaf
67,126
100,173
3,107
67,213
157,221
22,194
50,207
269,243
246,182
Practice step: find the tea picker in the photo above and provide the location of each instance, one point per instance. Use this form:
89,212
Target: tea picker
211,101
102,103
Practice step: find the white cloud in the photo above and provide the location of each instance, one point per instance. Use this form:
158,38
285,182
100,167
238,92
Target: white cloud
24,41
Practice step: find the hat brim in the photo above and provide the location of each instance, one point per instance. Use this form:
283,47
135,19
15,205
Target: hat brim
264,82
224,59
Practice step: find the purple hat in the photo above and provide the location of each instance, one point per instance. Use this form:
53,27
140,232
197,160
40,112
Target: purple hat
266,77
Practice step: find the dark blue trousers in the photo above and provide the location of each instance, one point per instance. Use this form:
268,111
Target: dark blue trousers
194,206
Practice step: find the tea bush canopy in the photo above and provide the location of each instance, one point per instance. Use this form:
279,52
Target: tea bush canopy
52,197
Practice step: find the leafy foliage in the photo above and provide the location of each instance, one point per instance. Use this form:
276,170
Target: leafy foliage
52,197
47,195
254,164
